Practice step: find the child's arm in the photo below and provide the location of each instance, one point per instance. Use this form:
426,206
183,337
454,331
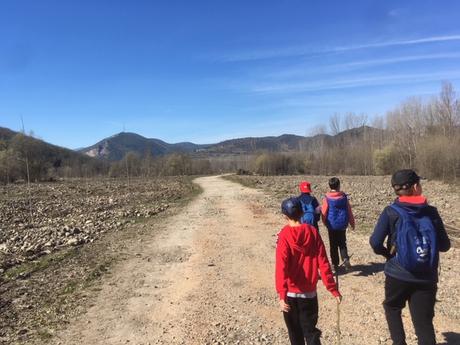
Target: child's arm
351,218
282,252
325,270
324,209
443,238
381,231
317,208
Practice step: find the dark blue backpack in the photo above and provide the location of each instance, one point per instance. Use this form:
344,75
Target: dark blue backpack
308,216
337,214
416,242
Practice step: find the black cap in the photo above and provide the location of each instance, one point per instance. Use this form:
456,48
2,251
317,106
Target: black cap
404,179
292,208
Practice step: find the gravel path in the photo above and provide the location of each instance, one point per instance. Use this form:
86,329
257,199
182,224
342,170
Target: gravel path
207,278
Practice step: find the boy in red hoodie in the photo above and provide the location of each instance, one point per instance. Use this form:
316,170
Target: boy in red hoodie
336,215
300,254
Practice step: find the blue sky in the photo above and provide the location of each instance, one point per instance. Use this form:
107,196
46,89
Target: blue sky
205,71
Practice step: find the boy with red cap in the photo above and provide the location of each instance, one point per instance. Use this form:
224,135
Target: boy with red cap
414,234
310,205
300,259
337,215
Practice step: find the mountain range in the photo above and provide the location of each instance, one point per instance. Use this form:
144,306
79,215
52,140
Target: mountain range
117,146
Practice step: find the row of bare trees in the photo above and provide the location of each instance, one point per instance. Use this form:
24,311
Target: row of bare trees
41,167
425,136
419,134
148,166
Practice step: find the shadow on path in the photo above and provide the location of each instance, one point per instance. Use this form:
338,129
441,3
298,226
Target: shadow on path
451,338
367,270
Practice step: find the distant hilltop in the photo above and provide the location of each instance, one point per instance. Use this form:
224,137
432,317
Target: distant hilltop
115,147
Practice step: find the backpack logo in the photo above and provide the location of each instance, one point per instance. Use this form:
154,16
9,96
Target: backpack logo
308,216
416,242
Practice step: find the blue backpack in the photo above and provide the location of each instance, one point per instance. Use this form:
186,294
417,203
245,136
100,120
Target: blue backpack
416,242
308,216
337,214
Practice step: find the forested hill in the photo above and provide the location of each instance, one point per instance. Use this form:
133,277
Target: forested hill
117,146
42,158
6,134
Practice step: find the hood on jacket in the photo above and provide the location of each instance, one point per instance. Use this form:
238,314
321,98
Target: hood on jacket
300,237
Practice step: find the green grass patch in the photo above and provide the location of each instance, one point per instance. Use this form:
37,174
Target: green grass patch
44,334
97,272
247,182
27,268
70,288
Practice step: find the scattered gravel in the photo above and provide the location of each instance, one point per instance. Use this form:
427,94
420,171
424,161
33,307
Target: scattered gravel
72,213
54,248
368,194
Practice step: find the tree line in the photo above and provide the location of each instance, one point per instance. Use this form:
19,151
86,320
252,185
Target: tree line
24,158
420,134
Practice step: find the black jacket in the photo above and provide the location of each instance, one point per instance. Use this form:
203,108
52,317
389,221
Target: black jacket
384,236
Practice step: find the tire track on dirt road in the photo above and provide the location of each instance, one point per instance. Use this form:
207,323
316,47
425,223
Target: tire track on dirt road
207,277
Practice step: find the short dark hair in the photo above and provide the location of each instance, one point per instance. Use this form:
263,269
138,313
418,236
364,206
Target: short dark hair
404,179
334,183
404,192
292,208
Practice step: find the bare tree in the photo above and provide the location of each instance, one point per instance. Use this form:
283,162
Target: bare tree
317,130
353,120
447,110
335,124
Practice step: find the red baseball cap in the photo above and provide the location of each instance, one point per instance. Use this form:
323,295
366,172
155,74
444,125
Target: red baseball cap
304,187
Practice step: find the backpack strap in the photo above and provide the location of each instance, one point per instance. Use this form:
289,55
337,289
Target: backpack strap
401,213
398,209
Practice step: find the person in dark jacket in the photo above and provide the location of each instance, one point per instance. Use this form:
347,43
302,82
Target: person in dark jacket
402,285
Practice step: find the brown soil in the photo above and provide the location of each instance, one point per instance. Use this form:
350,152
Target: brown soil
207,278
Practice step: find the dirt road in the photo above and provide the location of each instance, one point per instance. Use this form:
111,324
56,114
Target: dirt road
206,277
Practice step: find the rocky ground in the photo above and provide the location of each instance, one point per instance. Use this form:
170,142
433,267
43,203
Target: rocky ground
59,238
207,278
368,195
205,275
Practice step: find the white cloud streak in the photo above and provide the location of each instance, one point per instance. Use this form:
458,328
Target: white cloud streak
354,82
302,51
307,69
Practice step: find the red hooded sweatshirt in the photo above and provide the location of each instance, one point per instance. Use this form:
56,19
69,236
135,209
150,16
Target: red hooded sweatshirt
300,254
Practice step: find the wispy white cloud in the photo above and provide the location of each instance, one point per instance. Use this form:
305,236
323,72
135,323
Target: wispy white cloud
294,51
293,87
304,69
402,42
410,58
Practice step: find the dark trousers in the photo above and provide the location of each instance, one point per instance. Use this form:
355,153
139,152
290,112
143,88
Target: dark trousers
338,241
421,298
301,321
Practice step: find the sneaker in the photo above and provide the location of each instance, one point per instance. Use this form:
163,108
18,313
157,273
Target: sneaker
347,264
